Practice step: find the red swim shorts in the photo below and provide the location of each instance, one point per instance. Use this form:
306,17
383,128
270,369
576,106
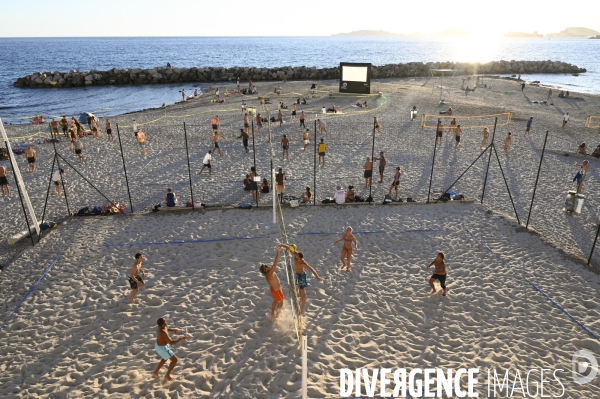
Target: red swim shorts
277,295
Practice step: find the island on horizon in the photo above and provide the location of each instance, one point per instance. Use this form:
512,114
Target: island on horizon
571,32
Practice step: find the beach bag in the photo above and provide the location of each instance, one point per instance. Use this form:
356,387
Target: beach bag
96,210
459,197
409,199
369,199
387,199
189,204
358,198
293,203
328,201
48,225
246,205
83,211
445,197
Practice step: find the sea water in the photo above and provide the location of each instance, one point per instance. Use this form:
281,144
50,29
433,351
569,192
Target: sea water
24,56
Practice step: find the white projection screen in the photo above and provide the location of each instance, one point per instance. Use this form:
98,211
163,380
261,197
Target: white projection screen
355,77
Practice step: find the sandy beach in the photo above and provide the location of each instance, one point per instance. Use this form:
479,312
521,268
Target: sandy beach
76,335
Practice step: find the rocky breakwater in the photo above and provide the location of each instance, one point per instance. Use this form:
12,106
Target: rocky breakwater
160,75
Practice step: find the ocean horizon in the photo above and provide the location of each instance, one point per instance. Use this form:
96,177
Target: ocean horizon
26,55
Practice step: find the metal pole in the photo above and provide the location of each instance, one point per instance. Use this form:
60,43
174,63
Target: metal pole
506,183
433,161
254,155
372,162
315,169
536,180
273,190
304,368
47,193
62,181
489,159
20,196
187,153
124,168
593,245
86,180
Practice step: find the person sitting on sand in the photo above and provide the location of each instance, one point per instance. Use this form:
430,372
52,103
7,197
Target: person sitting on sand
348,239
300,264
274,284
596,153
135,281
170,198
438,274
112,208
163,347
339,196
247,183
265,187
303,101
350,196
581,149
306,196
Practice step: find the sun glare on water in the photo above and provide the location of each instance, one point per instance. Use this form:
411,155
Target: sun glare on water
474,48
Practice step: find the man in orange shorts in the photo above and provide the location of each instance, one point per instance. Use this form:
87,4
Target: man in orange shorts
275,285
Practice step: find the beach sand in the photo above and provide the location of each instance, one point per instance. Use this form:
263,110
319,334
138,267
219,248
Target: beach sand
77,336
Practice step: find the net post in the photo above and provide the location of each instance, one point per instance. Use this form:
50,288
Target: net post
47,194
372,162
187,153
304,368
274,192
489,159
433,162
536,179
315,167
593,245
124,168
254,155
62,181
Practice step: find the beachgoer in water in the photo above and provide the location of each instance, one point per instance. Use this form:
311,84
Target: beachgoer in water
135,281
274,284
438,274
163,347
348,239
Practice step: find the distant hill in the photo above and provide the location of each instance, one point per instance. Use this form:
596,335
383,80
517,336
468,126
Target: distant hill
575,32
381,33
523,34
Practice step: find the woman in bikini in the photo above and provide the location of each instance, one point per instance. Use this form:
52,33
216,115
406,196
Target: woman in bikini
396,181
348,239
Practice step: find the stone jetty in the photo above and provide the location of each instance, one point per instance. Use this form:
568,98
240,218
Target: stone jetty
159,75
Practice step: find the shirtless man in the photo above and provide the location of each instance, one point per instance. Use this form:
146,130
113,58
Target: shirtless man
301,282
216,143
135,281
486,135
438,274
305,137
246,123
163,347
375,126
507,142
285,146
108,127
396,181
348,239
302,119
141,139
31,157
259,122
274,284
457,132
214,122
64,124
280,118
382,163
4,182
54,125
78,145
244,136
368,172
293,117
439,132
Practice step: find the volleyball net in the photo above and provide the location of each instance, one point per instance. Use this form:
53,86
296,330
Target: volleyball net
592,122
430,121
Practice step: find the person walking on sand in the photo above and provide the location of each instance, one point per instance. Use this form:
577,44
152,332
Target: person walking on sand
135,281
280,117
507,142
581,175
486,135
382,163
438,274
368,172
31,156
457,133
348,239
322,127
4,182
396,181
214,123
108,127
301,281
57,179
259,122
274,284
141,139
247,123
522,86
54,125
163,347
78,148
216,139
549,94
375,126
302,119
134,128
206,163
293,108
321,149
279,179
244,136
528,127
565,120
285,145
439,132
306,139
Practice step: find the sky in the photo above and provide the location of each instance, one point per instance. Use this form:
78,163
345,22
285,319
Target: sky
69,18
